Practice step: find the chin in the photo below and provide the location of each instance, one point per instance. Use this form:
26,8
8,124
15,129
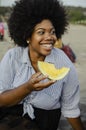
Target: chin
45,54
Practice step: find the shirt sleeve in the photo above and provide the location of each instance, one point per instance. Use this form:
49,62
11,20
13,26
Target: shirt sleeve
6,72
71,95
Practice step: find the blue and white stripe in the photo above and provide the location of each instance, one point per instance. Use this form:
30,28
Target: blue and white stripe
16,69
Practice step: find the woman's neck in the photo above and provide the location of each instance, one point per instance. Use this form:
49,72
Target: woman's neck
34,58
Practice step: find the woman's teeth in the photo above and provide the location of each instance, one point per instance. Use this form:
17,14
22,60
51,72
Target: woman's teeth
47,45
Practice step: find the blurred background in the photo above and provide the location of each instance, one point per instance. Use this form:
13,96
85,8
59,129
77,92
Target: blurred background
75,38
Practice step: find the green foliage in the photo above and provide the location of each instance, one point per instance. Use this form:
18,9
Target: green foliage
4,10
4,13
76,13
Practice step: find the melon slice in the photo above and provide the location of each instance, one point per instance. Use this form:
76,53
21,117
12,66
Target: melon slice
52,72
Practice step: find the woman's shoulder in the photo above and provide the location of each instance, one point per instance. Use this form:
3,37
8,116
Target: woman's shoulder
57,51
61,58
15,49
15,52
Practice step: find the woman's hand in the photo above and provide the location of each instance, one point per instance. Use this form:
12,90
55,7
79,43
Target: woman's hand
35,83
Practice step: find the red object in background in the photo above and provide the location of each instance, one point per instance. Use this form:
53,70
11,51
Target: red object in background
69,52
1,31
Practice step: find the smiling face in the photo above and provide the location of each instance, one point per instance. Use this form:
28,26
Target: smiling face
43,39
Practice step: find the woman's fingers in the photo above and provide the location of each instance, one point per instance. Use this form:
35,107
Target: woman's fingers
42,85
38,83
38,77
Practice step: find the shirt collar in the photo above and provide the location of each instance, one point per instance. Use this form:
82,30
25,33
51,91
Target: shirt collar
49,58
25,57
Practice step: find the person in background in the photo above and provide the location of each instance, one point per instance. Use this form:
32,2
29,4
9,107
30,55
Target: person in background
67,50
28,99
58,43
1,30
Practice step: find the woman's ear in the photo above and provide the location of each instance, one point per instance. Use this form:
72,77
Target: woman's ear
28,41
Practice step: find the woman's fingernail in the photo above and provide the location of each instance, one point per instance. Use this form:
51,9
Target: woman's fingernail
54,81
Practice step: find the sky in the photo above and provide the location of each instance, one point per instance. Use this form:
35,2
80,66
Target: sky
81,3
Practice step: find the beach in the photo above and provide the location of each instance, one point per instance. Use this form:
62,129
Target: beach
76,38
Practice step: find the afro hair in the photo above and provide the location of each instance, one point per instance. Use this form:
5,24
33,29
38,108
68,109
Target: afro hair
27,13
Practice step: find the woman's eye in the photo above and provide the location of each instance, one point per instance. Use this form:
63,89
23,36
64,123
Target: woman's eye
53,32
41,32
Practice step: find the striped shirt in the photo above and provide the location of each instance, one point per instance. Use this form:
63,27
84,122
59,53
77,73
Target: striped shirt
16,69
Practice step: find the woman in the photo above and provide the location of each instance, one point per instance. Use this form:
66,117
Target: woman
28,99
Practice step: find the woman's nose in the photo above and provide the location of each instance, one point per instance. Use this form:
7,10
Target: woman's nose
48,37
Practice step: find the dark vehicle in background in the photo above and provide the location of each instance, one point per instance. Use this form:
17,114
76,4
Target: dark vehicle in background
1,30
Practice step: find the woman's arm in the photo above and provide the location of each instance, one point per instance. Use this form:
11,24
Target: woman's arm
76,123
71,99
14,96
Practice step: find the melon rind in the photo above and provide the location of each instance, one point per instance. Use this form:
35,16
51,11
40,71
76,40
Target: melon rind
57,73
